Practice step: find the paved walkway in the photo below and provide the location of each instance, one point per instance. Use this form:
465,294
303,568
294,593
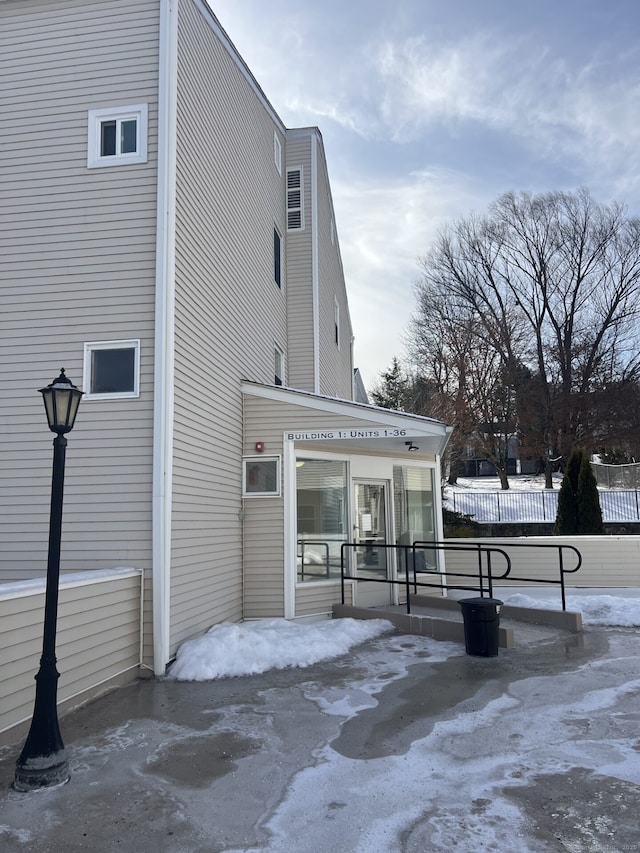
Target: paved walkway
405,744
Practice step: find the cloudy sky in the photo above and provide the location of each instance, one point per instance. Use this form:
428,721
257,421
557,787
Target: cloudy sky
430,109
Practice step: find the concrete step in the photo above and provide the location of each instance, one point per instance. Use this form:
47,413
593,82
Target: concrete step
441,619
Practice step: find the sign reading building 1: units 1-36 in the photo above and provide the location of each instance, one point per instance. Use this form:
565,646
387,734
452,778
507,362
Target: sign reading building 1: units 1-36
341,434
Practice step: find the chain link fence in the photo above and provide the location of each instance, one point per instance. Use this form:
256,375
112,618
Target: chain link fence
617,476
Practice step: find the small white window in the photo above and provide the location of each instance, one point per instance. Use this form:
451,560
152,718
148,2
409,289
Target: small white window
295,201
277,152
117,136
111,369
261,477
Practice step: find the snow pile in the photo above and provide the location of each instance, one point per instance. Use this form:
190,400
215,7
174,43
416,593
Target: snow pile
596,609
250,648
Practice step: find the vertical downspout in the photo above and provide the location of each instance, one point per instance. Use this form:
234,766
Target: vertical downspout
315,284
164,333
439,527
290,537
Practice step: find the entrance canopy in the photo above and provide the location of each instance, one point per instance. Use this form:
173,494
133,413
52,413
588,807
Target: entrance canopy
311,420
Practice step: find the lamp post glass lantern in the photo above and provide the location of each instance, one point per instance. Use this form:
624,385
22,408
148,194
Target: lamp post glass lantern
43,760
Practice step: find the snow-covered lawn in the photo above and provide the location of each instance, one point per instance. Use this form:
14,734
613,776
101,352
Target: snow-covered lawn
527,500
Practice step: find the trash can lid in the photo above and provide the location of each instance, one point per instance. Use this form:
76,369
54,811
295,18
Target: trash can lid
479,601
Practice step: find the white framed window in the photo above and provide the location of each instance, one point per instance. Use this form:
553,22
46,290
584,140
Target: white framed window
261,477
111,369
277,257
277,152
278,365
117,136
295,200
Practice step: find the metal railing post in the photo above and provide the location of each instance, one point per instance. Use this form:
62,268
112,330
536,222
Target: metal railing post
406,575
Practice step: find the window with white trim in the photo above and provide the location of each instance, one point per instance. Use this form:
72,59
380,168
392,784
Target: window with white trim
322,488
261,477
117,136
295,200
111,369
277,152
278,365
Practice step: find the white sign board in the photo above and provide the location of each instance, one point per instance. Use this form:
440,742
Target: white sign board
342,434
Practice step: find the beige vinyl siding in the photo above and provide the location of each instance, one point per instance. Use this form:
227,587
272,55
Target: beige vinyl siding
336,370
98,640
264,557
300,319
77,264
229,314
607,561
317,600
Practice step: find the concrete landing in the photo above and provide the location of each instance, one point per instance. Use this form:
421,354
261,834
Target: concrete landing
441,619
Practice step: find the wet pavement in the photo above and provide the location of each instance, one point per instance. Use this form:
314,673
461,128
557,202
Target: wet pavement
405,744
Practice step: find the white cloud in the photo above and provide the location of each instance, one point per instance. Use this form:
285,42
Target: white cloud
556,109
385,227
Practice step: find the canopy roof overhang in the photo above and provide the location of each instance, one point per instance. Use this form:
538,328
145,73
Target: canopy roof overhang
355,427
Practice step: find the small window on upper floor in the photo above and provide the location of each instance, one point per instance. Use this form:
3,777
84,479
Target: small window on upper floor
278,366
277,152
117,136
277,257
295,201
111,369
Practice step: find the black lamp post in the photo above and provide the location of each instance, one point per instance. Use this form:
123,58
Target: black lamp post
43,760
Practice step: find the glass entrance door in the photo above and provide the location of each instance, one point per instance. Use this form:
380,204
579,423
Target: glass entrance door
370,534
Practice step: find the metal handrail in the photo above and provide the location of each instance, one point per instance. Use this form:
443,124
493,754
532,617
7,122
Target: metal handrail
479,548
302,543
562,571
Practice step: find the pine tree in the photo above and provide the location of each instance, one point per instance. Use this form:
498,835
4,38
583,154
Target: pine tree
567,517
578,502
588,501
391,391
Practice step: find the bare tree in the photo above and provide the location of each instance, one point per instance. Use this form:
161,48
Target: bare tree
551,284
470,388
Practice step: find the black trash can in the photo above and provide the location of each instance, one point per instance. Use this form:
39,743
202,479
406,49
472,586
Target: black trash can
481,625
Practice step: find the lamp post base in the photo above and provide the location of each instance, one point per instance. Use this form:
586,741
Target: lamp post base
42,771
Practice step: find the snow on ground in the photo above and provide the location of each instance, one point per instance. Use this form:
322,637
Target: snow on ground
254,647
521,482
250,648
596,610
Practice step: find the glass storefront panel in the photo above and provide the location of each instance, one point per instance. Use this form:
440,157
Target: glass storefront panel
321,498
414,511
